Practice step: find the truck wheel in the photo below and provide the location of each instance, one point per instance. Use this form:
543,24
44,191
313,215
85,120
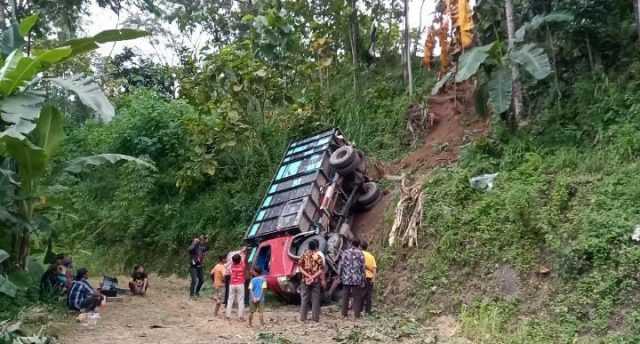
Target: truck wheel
352,167
322,244
367,207
370,195
342,157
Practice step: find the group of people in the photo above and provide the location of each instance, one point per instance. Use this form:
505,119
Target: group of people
234,284
58,277
230,278
356,273
59,280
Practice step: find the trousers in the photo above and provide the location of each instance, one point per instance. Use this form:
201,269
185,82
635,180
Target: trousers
310,294
354,293
196,280
368,296
236,295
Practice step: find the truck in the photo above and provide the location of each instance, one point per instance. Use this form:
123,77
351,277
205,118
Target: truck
320,183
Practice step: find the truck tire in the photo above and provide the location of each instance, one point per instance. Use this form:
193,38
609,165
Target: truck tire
342,157
367,207
322,244
352,167
370,195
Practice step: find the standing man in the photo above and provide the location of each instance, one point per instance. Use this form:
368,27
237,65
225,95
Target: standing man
351,271
370,270
312,268
197,251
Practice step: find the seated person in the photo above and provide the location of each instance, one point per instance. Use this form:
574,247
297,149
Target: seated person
82,296
50,282
140,281
61,278
67,263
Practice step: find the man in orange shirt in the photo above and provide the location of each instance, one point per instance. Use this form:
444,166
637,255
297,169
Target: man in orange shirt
217,277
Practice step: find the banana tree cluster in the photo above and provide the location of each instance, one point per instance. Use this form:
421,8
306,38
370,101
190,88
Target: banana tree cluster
452,29
495,77
31,128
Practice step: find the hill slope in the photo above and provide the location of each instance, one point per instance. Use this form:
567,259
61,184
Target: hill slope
544,257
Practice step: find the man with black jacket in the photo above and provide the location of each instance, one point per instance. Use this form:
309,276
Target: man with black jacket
197,251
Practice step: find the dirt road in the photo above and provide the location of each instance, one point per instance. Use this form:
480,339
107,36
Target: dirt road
166,315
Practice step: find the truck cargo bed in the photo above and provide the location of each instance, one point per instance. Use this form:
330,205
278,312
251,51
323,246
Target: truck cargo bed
291,204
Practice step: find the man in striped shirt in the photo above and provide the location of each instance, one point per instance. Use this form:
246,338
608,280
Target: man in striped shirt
82,296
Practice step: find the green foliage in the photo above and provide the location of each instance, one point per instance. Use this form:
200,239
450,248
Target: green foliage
21,108
80,164
539,20
87,44
534,61
6,286
500,90
497,65
272,338
89,93
49,132
11,39
471,61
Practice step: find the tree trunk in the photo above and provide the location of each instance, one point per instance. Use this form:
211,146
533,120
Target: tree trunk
636,8
354,37
14,10
554,63
23,252
592,64
420,31
26,209
515,73
407,47
2,11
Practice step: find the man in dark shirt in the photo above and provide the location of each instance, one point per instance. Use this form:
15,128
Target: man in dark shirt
352,276
197,251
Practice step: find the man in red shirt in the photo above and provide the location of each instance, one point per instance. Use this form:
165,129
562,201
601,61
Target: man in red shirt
236,286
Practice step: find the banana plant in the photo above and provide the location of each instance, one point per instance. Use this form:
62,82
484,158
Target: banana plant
6,286
31,130
496,72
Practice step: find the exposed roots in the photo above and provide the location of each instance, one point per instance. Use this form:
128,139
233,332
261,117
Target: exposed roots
408,219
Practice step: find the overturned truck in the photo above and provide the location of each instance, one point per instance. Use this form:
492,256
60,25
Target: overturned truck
320,183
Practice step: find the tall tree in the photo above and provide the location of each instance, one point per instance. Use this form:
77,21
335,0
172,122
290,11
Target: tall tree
2,15
515,73
407,48
636,8
354,37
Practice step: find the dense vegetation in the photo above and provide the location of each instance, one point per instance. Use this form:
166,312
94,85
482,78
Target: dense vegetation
215,125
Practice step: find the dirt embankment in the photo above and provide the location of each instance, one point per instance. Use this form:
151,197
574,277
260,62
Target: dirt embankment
450,123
